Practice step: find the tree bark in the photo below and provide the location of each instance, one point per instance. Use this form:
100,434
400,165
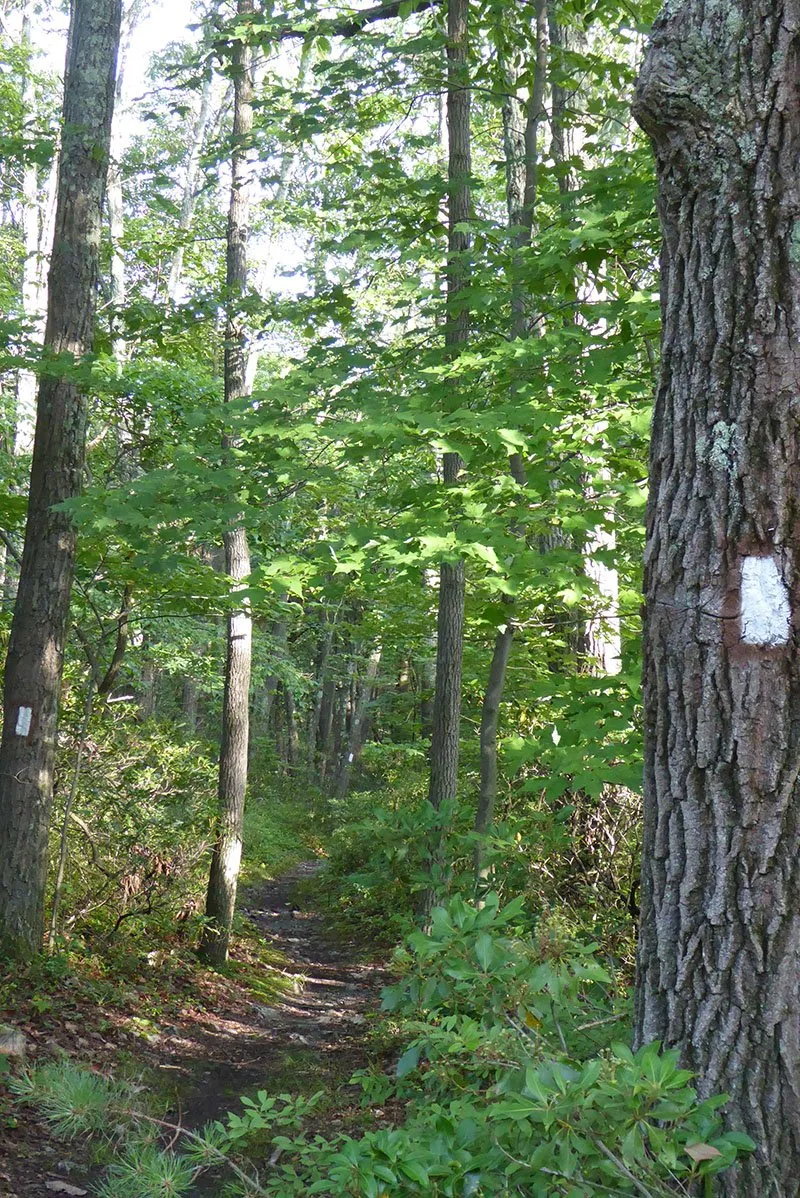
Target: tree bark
36,648
325,726
718,971
226,858
189,704
114,199
292,740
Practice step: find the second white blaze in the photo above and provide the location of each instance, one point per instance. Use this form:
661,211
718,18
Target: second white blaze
765,603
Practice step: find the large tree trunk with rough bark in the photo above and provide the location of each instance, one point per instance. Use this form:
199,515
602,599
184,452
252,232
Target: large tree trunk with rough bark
719,947
227,855
36,648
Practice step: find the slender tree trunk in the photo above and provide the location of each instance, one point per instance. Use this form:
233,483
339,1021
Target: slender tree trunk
189,704
426,667
114,200
34,233
189,198
325,727
278,634
63,849
446,729
226,859
320,674
520,139
718,971
292,742
355,738
339,730
149,689
36,649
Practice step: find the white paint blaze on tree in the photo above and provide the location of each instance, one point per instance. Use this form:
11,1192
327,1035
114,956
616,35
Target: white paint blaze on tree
766,615
719,950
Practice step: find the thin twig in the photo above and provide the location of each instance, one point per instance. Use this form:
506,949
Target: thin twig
624,1170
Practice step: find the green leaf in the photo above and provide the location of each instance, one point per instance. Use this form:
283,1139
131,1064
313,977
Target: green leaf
408,1061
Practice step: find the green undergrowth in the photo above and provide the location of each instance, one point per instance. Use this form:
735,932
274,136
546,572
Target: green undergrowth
285,823
515,1078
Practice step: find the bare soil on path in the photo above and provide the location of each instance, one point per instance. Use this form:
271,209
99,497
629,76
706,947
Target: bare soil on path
209,1054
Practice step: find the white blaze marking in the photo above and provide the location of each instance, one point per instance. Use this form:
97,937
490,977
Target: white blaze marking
765,603
24,716
231,860
349,757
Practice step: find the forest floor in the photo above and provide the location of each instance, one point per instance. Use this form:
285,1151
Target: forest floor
292,1015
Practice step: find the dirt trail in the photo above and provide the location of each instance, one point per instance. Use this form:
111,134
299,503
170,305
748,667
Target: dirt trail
315,1031
312,1036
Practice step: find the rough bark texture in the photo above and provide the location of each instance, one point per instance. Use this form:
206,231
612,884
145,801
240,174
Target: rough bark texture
719,949
446,730
227,855
490,718
521,123
189,704
36,648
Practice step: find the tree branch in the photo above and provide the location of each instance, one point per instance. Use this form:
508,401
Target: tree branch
9,544
110,677
350,26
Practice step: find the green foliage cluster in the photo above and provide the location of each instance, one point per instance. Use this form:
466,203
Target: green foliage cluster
140,827
574,856
511,1084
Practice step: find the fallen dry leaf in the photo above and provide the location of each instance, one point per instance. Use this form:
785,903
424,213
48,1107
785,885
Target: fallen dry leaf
63,1187
702,1152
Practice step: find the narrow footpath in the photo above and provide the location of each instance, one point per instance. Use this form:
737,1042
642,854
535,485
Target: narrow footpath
313,1035
298,1027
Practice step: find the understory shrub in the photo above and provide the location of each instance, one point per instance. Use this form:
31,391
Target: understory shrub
514,1081
139,829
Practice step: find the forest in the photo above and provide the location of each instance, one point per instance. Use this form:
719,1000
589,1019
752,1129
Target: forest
399,476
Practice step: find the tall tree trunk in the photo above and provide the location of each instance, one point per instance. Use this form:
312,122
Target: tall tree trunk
325,727
226,859
446,729
36,648
114,200
320,676
426,667
279,630
718,971
339,727
520,139
189,704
